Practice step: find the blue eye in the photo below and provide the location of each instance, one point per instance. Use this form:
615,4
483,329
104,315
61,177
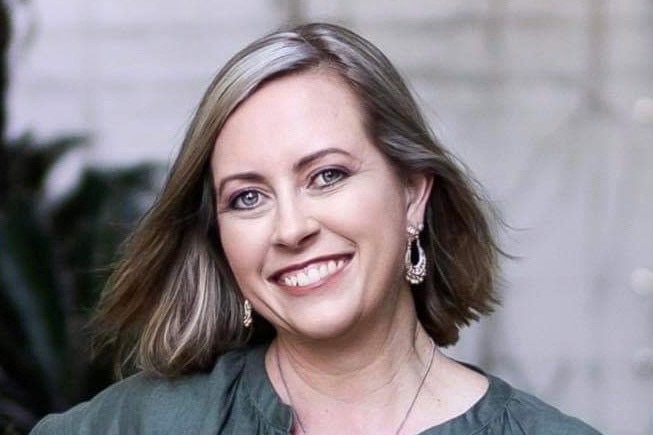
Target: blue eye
245,200
327,177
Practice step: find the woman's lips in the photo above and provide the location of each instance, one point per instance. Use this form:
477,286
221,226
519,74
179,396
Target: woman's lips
314,273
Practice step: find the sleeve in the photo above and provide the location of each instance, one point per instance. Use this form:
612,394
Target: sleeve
61,424
113,411
527,415
144,404
139,404
50,425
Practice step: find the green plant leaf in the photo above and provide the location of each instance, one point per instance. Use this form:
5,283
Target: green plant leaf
29,162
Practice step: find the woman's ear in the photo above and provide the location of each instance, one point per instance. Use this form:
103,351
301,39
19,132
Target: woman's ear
418,191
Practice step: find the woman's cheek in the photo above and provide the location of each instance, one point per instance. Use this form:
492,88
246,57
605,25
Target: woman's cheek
243,241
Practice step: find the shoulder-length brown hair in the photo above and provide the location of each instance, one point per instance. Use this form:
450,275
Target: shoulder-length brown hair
172,305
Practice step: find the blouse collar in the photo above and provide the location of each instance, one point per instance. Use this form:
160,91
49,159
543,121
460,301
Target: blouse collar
279,415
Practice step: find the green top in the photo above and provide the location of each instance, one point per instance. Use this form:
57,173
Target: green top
237,397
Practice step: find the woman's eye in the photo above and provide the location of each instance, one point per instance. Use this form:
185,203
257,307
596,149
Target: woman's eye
246,200
328,177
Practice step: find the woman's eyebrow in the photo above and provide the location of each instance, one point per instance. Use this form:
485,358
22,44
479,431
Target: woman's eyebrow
307,160
244,176
297,167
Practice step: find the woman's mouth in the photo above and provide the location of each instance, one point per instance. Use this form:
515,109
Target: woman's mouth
313,273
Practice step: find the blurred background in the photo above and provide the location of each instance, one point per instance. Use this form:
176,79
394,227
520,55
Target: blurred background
550,103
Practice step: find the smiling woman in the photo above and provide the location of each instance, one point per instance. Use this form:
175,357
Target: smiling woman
313,247
291,200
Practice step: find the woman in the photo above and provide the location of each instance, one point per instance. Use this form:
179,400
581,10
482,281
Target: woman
313,247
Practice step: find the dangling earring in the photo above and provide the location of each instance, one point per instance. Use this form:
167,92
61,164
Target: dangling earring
247,315
415,273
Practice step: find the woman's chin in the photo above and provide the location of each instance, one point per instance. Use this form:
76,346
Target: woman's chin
323,326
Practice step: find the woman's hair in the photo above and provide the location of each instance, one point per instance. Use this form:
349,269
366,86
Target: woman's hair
172,305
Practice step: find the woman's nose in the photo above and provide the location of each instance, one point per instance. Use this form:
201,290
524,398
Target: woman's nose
294,225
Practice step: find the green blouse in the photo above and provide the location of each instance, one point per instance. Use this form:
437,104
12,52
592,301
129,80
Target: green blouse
236,397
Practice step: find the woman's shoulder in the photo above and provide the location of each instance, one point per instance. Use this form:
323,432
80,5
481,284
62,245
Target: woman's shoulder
503,409
147,404
526,414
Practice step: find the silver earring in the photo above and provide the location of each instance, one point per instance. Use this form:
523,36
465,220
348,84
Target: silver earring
247,315
415,273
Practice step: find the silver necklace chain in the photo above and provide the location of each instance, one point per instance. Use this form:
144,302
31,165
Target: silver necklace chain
408,412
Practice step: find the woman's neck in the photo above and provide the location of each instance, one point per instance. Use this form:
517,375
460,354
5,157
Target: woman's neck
373,374
371,351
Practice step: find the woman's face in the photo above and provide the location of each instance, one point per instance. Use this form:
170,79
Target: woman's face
311,216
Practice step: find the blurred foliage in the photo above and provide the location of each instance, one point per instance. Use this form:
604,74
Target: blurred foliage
53,262
54,258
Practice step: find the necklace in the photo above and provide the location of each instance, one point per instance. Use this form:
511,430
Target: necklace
403,421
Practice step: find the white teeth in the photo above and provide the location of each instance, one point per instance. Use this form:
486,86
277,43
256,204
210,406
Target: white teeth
324,270
312,274
290,280
302,279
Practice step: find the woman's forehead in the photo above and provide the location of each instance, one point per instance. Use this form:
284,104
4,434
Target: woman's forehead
305,111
